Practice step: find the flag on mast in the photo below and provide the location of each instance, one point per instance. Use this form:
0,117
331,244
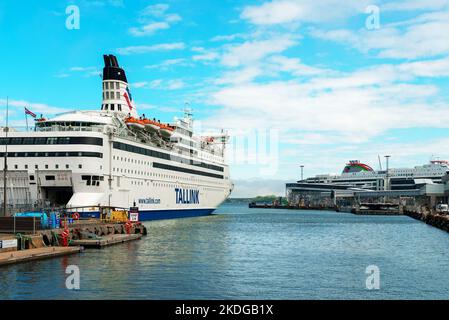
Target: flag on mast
27,111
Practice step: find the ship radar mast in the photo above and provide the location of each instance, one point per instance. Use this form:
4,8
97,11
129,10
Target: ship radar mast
188,114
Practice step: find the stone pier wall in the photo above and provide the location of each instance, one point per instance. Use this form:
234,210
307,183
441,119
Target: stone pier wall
430,217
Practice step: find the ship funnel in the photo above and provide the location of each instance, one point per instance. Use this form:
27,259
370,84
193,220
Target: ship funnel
116,92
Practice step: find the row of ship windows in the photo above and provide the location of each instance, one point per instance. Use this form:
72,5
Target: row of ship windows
95,181
92,180
158,175
110,85
163,185
162,155
131,160
51,154
186,170
173,185
111,107
165,176
36,166
111,95
121,170
52,140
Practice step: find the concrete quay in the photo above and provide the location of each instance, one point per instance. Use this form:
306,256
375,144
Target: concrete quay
48,243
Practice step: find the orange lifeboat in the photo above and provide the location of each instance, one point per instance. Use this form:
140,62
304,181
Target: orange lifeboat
150,125
166,131
134,123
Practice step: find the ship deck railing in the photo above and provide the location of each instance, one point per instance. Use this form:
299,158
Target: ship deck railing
13,129
120,134
69,128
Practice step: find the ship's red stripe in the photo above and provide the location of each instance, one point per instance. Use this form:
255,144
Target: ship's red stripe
127,101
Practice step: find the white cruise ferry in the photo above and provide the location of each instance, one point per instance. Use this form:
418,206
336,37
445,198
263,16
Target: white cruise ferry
359,175
117,159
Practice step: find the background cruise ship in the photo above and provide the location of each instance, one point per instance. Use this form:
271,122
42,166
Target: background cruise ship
114,158
361,176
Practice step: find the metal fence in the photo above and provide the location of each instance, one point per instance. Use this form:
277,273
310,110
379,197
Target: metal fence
20,225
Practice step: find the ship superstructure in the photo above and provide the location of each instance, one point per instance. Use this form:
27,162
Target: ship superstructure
115,158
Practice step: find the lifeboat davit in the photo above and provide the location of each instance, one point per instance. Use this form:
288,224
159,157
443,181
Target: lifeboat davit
134,123
151,125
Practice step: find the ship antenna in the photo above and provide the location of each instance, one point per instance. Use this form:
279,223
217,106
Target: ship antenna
188,112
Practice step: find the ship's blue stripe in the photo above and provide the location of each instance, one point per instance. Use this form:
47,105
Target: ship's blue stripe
147,215
173,214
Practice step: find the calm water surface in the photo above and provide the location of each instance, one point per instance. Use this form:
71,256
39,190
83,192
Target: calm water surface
242,253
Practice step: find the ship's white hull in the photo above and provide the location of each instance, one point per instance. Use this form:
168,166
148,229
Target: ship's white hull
103,175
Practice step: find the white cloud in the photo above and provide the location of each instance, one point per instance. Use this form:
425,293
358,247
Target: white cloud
141,84
91,72
84,71
364,103
323,105
156,47
175,84
160,84
173,18
154,18
34,106
424,36
156,10
271,66
145,106
230,37
148,29
289,11
426,68
204,55
239,76
155,84
293,66
98,3
409,5
168,63
255,50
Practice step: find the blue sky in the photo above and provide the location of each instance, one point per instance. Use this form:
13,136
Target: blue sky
294,82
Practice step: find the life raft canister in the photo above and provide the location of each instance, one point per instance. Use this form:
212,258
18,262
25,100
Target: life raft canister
65,236
128,225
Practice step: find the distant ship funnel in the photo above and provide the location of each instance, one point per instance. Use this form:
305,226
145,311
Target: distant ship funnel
116,92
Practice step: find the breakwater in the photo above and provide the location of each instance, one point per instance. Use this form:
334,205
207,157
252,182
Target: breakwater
429,217
253,205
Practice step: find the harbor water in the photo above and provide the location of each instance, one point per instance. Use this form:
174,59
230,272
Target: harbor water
242,253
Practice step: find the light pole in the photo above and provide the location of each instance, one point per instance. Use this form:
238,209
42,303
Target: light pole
5,165
302,172
387,174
